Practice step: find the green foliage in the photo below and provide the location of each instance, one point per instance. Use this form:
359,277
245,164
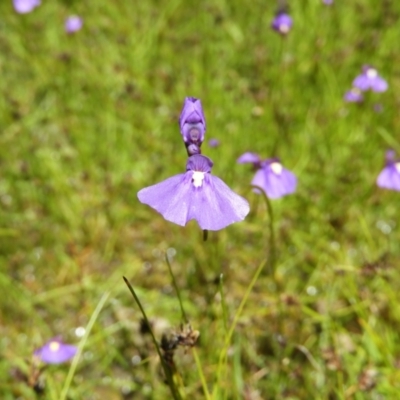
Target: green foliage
89,119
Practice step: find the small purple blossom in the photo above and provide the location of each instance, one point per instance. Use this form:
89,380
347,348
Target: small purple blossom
282,23
25,6
248,157
389,178
192,124
197,195
354,95
271,176
213,142
73,24
328,2
56,352
370,79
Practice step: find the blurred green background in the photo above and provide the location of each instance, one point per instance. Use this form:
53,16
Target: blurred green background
90,118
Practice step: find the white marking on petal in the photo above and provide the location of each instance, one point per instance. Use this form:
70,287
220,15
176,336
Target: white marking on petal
276,168
397,165
197,178
54,346
372,73
284,28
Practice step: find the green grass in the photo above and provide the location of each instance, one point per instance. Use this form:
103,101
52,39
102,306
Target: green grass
89,119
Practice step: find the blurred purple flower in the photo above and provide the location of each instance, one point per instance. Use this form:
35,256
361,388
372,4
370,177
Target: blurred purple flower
370,79
213,142
198,195
271,176
354,95
328,2
389,178
56,352
248,157
282,23
192,124
25,6
73,24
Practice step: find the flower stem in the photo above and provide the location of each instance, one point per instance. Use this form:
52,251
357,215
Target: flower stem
271,257
178,293
168,373
81,346
186,320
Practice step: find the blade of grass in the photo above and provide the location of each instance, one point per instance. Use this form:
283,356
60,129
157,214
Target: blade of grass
171,384
178,293
185,318
224,351
82,344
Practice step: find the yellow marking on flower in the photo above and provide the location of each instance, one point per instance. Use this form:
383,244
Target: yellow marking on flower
355,91
276,167
397,165
54,346
197,178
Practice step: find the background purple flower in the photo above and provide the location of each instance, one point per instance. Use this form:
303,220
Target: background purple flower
389,178
213,142
73,24
25,6
275,180
354,95
56,352
192,122
197,195
282,23
249,157
271,176
370,79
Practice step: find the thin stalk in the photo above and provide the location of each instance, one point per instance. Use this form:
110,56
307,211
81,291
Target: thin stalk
223,303
171,384
201,375
224,351
272,243
178,293
82,344
185,318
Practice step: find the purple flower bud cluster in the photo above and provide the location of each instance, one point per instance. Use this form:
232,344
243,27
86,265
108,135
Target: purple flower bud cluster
193,125
195,194
369,79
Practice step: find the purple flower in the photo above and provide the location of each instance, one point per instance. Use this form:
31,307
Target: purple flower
328,2
73,24
192,124
198,195
354,95
25,6
249,158
282,23
213,142
369,79
56,352
389,178
271,176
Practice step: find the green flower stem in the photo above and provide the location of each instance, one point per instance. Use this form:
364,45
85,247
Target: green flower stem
170,380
